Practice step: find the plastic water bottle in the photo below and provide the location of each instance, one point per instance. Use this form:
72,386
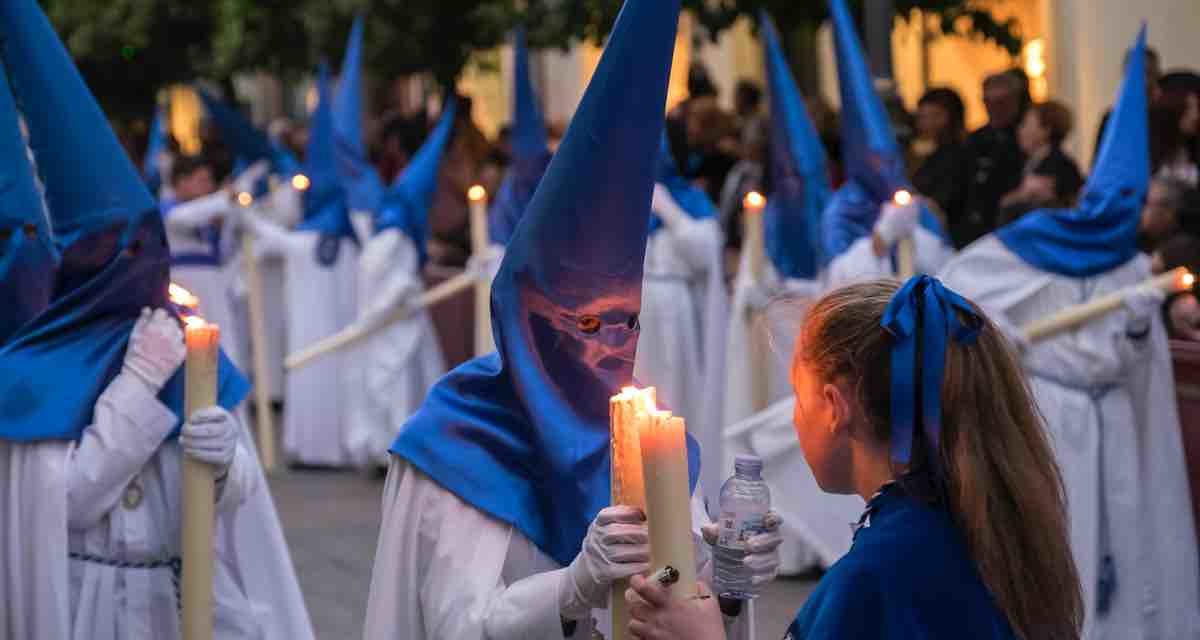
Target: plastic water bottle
745,501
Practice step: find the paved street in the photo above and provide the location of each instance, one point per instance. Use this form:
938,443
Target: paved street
331,519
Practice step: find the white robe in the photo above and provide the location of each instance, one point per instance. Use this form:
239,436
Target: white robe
320,301
213,285
859,263
114,495
393,370
446,571
683,316
1109,404
816,525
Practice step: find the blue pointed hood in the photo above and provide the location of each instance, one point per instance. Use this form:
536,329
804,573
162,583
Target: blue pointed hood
114,251
364,187
27,254
792,220
156,145
248,143
690,198
522,434
870,153
1100,233
326,209
873,160
406,203
530,152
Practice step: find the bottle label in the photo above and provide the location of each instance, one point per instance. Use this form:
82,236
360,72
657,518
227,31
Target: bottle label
736,530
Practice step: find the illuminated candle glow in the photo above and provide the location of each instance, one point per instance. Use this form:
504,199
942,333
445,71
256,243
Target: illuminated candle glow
300,182
1174,281
183,297
245,199
484,341
753,236
650,471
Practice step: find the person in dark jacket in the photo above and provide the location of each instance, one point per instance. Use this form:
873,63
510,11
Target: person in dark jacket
1051,178
944,174
996,159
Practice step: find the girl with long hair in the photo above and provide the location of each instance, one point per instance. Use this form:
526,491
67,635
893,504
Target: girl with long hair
910,397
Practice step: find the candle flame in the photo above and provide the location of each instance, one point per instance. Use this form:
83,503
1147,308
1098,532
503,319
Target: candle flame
301,182
644,399
476,193
1188,279
902,197
754,200
182,297
195,322
245,199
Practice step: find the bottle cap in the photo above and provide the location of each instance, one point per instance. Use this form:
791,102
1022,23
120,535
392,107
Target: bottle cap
747,462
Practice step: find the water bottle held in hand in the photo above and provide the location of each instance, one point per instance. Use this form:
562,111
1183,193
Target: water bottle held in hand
745,501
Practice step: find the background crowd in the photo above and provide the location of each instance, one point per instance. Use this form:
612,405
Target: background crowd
978,180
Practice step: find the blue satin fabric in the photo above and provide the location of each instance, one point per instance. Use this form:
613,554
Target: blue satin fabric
476,437
922,317
1100,234
155,147
56,367
869,150
27,256
851,214
514,194
523,434
792,219
114,251
325,206
691,199
248,143
406,203
364,187
531,154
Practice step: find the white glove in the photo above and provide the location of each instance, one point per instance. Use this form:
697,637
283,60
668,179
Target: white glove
617,546
246,180
210,435
1142,303
762,550
156,348
897,221
665,206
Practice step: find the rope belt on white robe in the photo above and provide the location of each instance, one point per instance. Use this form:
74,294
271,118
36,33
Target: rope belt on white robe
174,563
1106,578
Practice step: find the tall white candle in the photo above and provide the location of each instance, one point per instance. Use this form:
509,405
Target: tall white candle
753,236
1170,282
484,342
199,493
906,266
668,500
627,415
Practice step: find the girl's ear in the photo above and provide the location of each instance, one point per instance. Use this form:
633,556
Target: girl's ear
840,408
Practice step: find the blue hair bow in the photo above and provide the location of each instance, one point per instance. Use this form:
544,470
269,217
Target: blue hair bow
925,313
